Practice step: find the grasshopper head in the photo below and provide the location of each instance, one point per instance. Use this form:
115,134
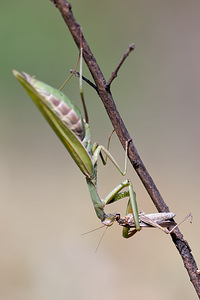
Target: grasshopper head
127,221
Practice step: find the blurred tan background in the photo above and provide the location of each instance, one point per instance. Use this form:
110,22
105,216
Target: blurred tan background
45,204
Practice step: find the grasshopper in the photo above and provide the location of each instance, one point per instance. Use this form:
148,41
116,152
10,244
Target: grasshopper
156,220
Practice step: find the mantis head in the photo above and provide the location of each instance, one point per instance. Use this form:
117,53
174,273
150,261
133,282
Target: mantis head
110,219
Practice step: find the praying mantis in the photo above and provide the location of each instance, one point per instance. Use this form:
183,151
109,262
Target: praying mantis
74,132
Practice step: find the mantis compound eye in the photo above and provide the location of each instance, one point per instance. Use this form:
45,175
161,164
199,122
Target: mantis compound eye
118,217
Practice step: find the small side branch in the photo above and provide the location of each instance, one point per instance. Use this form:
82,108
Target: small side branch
114,74
85,79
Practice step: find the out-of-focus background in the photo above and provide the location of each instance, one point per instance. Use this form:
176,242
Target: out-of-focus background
45,203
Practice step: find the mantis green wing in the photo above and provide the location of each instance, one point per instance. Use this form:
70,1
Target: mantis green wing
66,120
70,139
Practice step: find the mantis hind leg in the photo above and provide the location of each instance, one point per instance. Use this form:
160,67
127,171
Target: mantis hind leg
98,149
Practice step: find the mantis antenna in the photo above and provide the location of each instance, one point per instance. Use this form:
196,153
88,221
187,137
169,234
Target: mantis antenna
102,236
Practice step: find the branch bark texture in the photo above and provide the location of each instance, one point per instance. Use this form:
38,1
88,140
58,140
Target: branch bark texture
123,135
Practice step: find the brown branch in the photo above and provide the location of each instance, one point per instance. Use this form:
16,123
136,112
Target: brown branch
118,124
